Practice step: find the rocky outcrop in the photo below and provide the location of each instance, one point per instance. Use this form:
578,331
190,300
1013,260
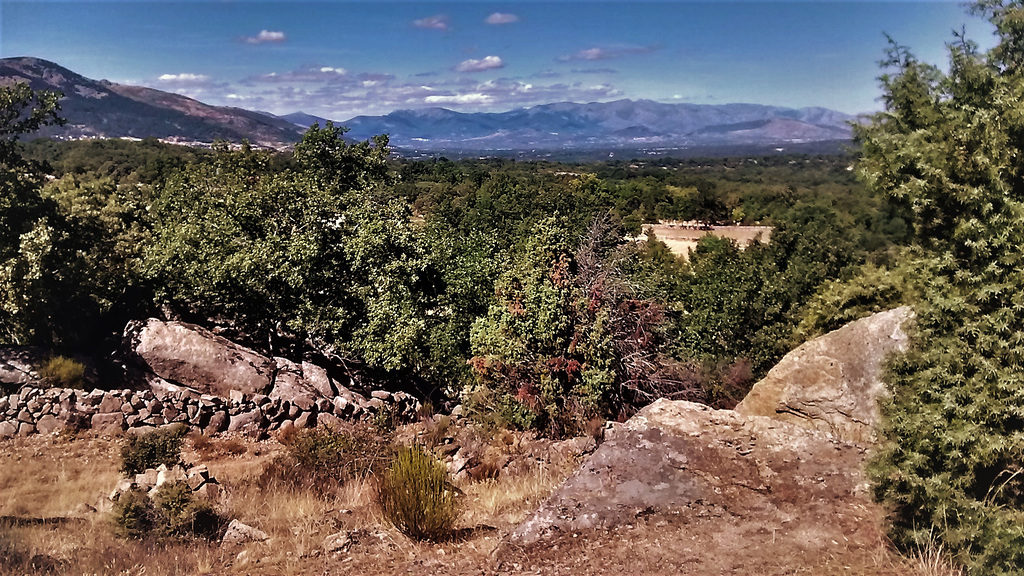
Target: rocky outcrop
677,457
177,355
191,356
833,383
758,477
198,478
18,365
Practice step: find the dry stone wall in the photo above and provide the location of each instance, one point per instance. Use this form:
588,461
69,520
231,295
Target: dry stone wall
45,410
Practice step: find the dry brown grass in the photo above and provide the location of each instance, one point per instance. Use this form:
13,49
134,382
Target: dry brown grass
53,478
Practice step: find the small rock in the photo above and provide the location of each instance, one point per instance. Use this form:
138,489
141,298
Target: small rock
218,423
246,420
8,429
110,403
306,420
147,479
108,422
239,533
338,542
210,491
329,421
172,474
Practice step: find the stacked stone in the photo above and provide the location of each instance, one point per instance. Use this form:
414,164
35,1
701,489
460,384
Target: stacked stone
36,410
198,478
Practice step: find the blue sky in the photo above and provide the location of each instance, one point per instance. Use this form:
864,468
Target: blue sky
339,59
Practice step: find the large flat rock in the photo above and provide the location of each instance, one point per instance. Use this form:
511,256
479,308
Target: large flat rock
677,457
189,355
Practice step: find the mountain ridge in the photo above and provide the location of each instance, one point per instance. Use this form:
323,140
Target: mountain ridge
620,123
104,109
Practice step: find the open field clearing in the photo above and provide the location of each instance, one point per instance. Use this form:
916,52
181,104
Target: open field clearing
681,237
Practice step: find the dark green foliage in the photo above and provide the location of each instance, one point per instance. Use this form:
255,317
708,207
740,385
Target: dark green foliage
182,514
319,457
151,449
68,250
134,515
127,162
63,372
871,289
947,152
173,512
287,257
417,497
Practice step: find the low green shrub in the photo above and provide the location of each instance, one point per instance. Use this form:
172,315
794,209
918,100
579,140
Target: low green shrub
317,456
134,515
63,372
185,515
417,497
144,451
173,512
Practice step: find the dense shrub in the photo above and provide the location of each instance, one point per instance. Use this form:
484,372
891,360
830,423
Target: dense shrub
318,457
149,450
63,372
173,512
417,497
134,515
946,152
182,514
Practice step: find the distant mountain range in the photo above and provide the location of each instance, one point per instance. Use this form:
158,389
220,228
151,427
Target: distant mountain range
620,124
105,109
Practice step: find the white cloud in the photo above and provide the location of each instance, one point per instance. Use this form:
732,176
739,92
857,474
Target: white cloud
184,78
500,18
486,63
474,98
439,22
266,36
332,92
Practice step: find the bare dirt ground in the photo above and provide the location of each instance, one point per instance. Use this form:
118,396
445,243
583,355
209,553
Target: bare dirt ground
49,487
682,237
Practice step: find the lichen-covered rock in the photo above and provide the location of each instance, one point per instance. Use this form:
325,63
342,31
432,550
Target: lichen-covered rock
194,357
691,462
833,383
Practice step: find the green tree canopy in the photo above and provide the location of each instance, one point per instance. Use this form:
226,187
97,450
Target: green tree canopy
313,255
948,151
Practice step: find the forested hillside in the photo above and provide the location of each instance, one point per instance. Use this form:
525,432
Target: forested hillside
507,284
